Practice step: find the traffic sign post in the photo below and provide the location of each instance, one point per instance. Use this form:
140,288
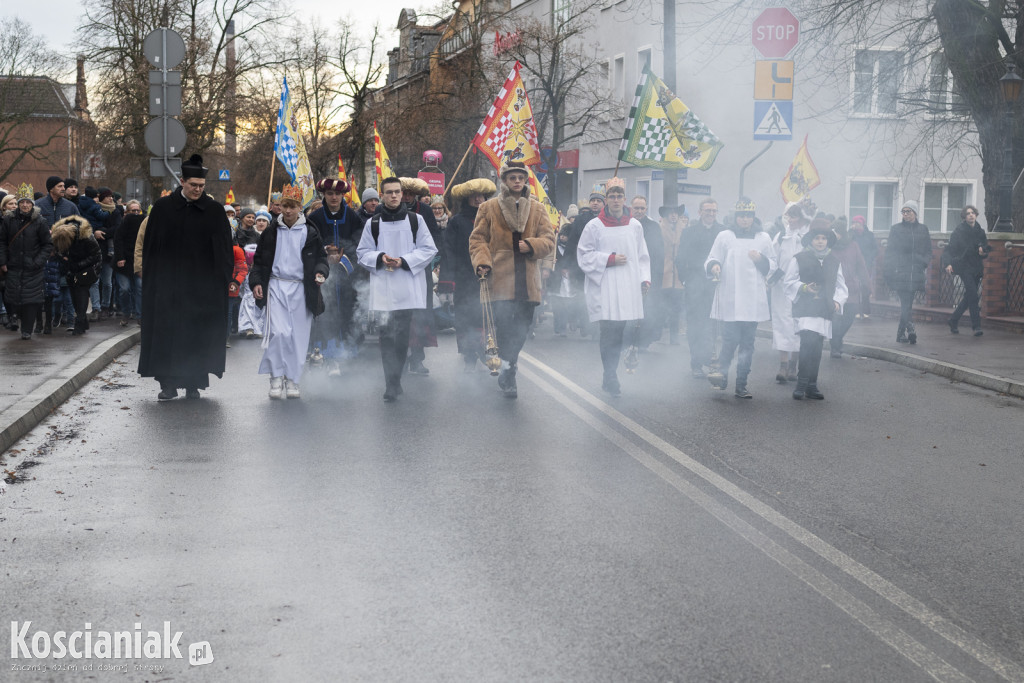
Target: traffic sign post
224,174
775,32
165,136
773,80
773,120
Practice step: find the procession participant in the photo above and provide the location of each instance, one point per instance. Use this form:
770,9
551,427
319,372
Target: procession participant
512,233
784,337
741,259
668,292
457,268
370,200
396,248
815,285
188,258
651,328
25,247
613,254
340,230
251,318
421,332
694,244
566,264
80,261
245,233
964,256
53,205
287,270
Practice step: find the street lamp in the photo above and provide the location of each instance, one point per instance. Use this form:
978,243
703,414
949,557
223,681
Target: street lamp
1010,85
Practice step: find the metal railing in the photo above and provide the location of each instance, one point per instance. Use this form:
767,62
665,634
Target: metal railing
1015,284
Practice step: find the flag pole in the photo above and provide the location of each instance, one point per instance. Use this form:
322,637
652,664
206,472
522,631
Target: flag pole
616,174
270,188
457,168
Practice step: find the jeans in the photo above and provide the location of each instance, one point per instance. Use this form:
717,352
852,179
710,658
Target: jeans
737,335
131,295
970,301
100,290
906,306
64,307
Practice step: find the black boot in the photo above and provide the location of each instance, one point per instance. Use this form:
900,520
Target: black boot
911,333
741,389
901,335
509,385
611,385
812,392
954,326
801,386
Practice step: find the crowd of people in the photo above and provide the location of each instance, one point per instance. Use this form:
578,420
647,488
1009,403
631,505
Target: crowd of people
311,284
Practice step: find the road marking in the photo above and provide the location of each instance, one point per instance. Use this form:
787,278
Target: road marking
970,644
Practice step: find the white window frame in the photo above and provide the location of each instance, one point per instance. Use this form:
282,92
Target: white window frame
874,113
875,180
618,72
946,107
945,183
637,182
563,7
649,49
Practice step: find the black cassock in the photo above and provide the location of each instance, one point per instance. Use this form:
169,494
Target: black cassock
187,262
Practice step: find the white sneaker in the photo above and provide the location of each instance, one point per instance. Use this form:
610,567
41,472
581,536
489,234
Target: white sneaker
291,389
334,370
276,387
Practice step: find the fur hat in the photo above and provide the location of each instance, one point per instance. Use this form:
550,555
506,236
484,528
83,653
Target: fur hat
417,186
819,227
193,168
25,192
509,166
52,182
368,194
475,186
333,184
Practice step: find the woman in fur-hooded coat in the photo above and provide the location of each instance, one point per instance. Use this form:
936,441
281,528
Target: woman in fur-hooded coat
75,244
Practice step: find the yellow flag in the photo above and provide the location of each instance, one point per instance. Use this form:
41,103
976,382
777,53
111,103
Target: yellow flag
230,199
353,195
382,163
802,176
537,190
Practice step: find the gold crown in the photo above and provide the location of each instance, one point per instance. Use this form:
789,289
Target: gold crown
291,193
615,183
745,205
25,191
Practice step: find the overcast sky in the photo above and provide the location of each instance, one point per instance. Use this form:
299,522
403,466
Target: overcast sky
57,19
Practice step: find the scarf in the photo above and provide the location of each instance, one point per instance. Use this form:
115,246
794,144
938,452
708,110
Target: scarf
390,216
611,222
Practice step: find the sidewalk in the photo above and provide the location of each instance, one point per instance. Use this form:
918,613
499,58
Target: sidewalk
37,376
994,361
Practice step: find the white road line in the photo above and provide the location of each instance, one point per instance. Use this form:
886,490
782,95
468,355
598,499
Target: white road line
970,644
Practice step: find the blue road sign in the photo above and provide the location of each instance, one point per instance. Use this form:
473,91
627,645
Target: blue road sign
223,174
773,120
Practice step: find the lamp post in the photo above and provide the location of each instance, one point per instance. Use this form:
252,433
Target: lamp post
1010,85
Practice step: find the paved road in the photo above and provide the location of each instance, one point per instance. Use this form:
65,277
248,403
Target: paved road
675,533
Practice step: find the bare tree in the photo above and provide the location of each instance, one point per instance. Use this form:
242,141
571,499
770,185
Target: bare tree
360,69
25,63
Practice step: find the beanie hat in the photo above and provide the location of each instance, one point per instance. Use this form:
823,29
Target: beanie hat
368,194
244,211
104,192
70,182
572,211
819,227
265,215
52,182
859,219
90,191
228,207
912,205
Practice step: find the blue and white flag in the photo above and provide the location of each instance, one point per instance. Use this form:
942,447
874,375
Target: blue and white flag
289,148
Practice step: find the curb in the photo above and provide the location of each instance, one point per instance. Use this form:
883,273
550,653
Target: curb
32,409
951,371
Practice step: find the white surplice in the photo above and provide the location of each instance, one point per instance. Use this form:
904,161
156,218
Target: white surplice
615,292
787,245
399,289
742,293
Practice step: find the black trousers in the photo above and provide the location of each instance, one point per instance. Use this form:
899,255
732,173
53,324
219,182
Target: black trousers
394,345
27,314
970,301
810,356
512,321
699,331
80,300
610,343
906,305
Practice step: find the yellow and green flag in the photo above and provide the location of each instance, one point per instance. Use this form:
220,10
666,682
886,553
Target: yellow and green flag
802,176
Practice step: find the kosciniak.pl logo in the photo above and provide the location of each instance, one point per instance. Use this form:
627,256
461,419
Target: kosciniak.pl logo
89,643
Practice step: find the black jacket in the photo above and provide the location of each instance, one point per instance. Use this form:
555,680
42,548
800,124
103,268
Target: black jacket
124,243
656,248
24,256
907,255
962,250
822,273
314,260
456,264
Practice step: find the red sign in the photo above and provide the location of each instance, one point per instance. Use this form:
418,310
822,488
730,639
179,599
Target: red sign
568,158
504,43
435,181
776,32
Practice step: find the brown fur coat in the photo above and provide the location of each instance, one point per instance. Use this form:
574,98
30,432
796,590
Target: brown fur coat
490,243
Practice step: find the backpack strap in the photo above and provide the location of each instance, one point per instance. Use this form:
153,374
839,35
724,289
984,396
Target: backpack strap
375,227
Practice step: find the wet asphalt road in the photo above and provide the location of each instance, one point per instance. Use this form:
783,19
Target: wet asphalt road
672,534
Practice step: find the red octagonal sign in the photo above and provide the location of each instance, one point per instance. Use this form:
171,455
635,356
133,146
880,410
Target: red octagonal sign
776,32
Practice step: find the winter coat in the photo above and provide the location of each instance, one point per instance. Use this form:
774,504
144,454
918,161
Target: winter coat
500,223
240,273
51,273
24,256
457,265
567,259
855,271
188,263
54,213
74,242
962,251
314,261
868,247
656,249
124,243
907,255
102,218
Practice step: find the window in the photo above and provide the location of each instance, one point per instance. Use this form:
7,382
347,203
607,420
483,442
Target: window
944,95
619,76
643,60
604,72
561,12
643,188
876,75
876,201
943,203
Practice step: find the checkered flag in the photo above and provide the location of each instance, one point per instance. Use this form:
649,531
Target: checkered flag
655,136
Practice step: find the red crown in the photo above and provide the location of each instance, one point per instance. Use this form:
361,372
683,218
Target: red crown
292,192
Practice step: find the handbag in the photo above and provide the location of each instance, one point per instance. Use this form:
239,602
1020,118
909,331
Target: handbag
84,278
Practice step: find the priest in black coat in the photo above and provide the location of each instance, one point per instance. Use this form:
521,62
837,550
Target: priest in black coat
187,264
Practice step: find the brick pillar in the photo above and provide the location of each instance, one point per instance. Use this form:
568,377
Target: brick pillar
993,297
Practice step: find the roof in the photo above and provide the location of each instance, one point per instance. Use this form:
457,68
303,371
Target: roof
35,96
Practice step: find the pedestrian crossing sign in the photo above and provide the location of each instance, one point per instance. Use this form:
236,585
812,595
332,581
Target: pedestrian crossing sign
224,174
773,120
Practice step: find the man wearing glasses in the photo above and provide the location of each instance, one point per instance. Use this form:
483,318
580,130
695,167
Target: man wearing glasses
694,246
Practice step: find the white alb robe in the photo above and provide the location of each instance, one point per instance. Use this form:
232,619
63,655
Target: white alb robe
823,326
742,293
399,289
288,321
784,337
614,293
250,316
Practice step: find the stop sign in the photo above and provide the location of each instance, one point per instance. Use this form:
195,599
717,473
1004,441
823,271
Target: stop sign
776,31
